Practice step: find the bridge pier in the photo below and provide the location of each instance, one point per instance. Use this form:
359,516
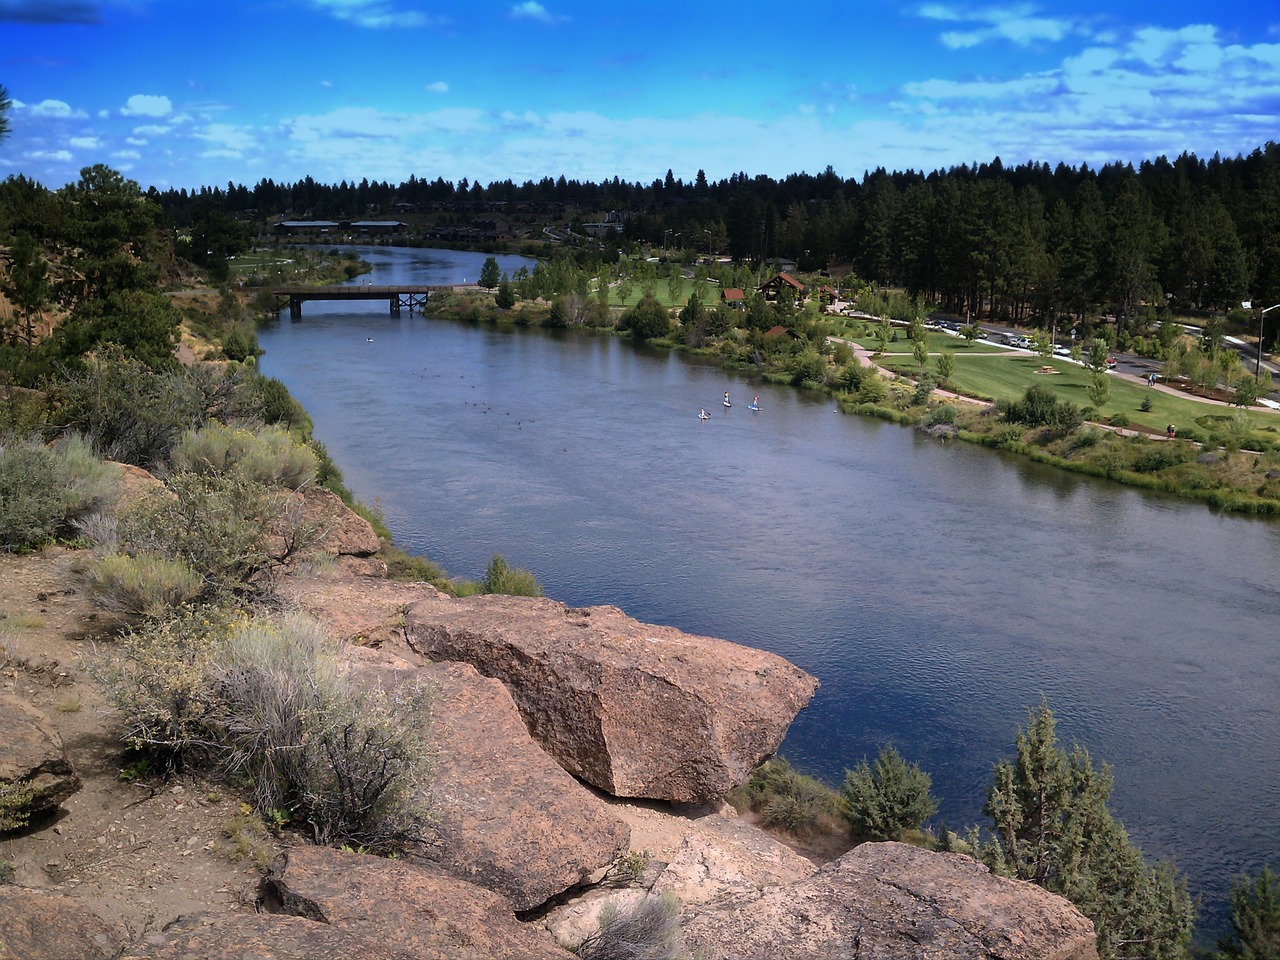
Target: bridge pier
395,306
295,308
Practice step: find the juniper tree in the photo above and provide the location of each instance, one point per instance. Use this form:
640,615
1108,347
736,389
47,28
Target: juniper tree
1052,826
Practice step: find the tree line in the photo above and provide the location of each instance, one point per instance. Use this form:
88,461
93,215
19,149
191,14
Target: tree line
1029,243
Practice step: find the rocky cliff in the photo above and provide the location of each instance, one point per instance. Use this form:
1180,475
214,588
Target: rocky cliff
569,742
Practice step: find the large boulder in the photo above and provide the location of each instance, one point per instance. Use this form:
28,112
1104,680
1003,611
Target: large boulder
405,907
894,902
634,709
35,774
507,817
43,926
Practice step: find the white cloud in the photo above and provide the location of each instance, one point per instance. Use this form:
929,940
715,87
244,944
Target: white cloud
438,87
126,155
84,143
61,156
1018,25
152,130
56,110
532,10
147,105
229,137
377,14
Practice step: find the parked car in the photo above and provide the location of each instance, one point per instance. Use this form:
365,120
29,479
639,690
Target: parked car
1062,350
1111,363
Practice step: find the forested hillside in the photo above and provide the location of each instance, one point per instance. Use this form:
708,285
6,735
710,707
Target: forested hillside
1028,243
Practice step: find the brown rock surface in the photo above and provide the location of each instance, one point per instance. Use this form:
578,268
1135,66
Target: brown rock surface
31,758
895,902
405,907
41,926
507,817
258,936
634,709
342,531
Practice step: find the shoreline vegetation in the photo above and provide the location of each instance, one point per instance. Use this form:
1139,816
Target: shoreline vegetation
1224,456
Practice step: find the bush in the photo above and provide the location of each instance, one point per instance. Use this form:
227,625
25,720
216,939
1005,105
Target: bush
648,930
45,489
1119,420
143,584
268,456
789,801
943,414
883,800
216,524
1040,407
513,581
344,760
265,703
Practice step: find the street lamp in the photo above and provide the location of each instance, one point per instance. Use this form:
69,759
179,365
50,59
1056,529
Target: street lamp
664,238
708,233
1248,305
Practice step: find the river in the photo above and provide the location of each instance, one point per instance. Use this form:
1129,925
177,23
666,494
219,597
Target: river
937,590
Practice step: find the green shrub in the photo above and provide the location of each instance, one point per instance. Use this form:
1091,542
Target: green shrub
264,703
789,801
216,524
1160,457
942,414
513,581
269,456
143,584
16,798
884,799
1040,407
45,489
1119,420
342,759
647,930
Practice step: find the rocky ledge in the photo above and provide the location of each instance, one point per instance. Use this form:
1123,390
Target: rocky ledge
544,716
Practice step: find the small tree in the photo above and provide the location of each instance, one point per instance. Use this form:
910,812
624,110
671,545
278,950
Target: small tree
489,273
920,351
647,319
946,363
505,298
1051,823
884,331
884,799
1255,919
1099,390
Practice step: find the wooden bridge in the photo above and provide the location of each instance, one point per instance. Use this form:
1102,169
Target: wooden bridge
398,297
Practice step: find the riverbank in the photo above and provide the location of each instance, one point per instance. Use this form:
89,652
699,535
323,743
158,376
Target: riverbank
1212,461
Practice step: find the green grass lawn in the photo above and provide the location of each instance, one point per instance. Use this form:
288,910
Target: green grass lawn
936,342
1007,378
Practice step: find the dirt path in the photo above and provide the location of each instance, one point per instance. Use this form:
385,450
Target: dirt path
137,855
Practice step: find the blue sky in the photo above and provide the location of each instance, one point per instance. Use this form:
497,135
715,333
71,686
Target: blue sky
184,93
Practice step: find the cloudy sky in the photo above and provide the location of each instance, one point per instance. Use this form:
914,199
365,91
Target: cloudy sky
187,93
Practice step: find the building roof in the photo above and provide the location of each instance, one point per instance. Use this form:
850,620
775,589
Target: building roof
733,293
782,278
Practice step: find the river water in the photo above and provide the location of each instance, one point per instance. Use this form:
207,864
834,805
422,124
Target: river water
937,590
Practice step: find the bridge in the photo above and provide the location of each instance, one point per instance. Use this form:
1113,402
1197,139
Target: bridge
398,297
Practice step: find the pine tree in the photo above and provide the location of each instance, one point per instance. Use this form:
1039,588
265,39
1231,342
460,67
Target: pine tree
1052,827
1255,919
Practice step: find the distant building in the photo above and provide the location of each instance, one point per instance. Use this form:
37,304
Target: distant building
782,281
734,297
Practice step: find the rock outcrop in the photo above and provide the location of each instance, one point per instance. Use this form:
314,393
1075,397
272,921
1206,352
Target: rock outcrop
318,521
507,817
407,908
42,926
895,902
634,709
35,774
270,936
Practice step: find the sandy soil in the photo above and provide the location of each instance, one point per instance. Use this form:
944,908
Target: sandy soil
138,854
